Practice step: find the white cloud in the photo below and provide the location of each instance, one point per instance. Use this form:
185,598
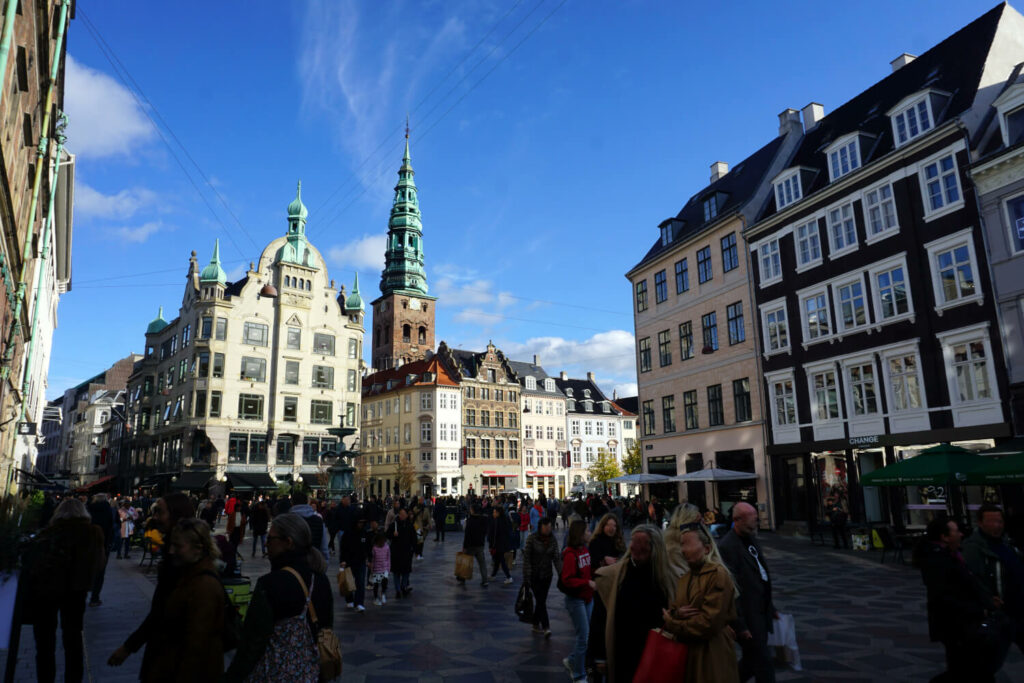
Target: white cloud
124,204
139,234
609,355
238,272
365,253
103,118
626,389
476,316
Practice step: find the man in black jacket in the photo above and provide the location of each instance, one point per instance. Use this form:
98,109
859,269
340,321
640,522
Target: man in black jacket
473,541
754,608
959,612
103,517
440,515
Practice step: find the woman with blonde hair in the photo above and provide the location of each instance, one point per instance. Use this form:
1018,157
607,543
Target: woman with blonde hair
704,604
684,515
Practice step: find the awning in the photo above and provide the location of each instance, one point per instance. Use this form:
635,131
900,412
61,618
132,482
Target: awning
96,484
192,480
312,480
250,481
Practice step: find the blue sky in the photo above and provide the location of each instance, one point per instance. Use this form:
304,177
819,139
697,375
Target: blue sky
549,138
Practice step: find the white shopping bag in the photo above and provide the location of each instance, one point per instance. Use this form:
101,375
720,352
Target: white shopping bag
783,637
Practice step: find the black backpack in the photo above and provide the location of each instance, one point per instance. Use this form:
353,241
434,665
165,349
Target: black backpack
316,530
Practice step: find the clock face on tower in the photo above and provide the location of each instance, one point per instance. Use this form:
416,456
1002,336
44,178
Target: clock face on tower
414,304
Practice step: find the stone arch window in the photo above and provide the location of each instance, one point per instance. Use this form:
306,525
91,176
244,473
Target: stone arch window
422,335
309,285
406,333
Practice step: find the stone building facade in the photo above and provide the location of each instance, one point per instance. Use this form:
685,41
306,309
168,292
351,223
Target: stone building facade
245,382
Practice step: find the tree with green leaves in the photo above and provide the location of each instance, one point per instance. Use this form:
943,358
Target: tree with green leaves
405,475
632,462
605,467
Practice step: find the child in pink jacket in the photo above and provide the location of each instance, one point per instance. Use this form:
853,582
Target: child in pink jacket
380,566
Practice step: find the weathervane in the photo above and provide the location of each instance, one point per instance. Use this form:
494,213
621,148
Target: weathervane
406,126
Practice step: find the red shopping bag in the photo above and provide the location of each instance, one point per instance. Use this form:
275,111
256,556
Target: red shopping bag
663,661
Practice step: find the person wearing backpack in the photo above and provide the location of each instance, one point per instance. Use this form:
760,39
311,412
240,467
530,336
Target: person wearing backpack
576,583
61,565
317,528
289,607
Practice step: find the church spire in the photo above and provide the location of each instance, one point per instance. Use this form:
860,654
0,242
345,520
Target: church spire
403,269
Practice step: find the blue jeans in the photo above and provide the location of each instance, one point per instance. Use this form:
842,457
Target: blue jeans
579,612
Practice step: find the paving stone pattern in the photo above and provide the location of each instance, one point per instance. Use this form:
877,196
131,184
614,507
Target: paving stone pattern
857,620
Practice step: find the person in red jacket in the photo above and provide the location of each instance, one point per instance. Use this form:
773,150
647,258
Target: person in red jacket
578,587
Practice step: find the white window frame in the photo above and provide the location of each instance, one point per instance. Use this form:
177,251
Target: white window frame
764,310
840,327
833,427
978,411
787,189
870,237
789,432
1012,246
777,276
908,419
963,237
947,207
876,301
531,383
901,109
820,289
868,423
801,266
836,148
833,250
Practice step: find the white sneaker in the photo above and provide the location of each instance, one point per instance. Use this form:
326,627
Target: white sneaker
360,608
376,601
349,605
383,599
508,581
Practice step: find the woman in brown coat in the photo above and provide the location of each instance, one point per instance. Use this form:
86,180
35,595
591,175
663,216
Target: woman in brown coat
704,605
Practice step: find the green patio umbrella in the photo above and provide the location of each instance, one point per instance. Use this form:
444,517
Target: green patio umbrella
1014,446
936,466
1008,469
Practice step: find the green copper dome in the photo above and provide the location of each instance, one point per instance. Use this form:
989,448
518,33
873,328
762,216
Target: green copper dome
297,209
403,261
353,301
158,323
213,272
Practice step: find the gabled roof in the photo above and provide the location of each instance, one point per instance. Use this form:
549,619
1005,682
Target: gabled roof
735,189
376,384
631,404
524,369
954,66
577,388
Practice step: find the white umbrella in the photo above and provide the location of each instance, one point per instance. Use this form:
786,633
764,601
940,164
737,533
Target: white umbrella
714,474
642,478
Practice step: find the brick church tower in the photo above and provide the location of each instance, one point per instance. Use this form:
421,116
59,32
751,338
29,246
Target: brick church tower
403,315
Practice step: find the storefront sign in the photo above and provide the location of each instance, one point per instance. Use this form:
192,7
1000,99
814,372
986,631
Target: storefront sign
864,440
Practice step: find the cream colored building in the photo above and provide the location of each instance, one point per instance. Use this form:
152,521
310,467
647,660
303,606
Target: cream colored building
697,368
411,414
543,431
244,384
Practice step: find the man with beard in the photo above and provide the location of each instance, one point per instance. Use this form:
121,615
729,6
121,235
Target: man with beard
755,611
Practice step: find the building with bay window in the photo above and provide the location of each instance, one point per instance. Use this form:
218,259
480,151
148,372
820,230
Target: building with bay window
244,383
875,311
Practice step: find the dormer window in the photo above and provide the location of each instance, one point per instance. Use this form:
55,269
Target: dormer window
586,393
588,406
1010,107
843,156
914,115
666,233
568,392
606,408
710,208
787,189
531,383
572,404
549,384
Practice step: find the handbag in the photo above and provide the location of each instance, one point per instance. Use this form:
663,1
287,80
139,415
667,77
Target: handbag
463,565
664,659
524,604
346,582
328,646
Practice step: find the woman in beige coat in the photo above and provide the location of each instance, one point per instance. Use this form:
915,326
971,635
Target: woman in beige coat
704,605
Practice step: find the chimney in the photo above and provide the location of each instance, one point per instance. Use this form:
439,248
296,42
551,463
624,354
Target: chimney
718,169
590,377
615,394
564,375
536,360
813,113
787,119
902,61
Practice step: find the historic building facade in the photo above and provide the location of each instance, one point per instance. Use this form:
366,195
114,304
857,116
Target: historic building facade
35,176
403,315
245,382
490,418
875,309
543,431
696,356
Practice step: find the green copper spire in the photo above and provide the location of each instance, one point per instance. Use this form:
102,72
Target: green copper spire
213,272
403,261
353,301
158,323
296,249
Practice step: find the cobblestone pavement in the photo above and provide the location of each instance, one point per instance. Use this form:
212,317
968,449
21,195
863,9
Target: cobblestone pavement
857,620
